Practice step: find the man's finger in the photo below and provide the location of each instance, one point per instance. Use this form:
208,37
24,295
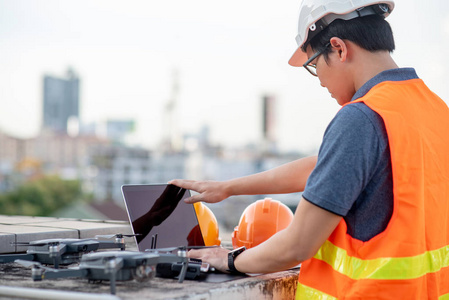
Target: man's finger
194,253
194,199
183,183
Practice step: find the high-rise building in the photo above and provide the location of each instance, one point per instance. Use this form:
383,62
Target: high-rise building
269,123
61,101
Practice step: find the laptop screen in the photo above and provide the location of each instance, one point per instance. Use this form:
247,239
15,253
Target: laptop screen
158,213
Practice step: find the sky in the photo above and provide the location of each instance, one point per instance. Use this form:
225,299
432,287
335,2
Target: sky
227,55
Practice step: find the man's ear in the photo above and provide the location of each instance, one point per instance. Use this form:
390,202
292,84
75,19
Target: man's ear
340,47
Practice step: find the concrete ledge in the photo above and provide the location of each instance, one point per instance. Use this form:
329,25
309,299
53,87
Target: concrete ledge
86,229
31,233
6,242
14,220
26,229
281,285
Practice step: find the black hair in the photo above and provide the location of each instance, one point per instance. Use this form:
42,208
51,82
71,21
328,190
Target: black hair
372,33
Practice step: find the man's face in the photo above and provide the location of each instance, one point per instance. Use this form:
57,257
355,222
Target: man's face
334,75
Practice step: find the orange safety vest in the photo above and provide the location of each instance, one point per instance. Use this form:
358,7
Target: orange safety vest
410,258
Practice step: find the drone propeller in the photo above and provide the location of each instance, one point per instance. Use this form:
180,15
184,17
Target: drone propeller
170,249
31,264
201,247
27,263
19,243
29,244
118,235
55,247
40,243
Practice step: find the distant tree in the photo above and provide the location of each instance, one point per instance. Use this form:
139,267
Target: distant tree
40,197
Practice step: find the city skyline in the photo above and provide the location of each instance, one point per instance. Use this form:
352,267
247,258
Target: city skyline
228,57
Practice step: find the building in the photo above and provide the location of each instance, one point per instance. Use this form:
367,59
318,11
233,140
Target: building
269,124
47,153
61,101
111,166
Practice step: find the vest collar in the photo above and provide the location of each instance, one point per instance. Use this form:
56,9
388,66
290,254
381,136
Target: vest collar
388,75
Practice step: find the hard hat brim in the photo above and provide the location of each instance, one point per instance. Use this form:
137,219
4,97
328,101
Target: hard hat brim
298,58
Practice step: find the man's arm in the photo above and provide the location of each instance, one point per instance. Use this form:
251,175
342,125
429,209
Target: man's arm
310,228
288,178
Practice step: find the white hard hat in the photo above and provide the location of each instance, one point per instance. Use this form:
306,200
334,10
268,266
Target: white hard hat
317,14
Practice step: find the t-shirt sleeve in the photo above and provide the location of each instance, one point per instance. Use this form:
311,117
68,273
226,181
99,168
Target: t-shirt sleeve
346,161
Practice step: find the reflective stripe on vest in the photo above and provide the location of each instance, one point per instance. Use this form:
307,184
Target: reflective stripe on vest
410,258
306,292
385,267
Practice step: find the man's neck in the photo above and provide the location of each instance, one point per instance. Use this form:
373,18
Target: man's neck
370,64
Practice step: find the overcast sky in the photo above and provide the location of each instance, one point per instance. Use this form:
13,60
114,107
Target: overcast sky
228,54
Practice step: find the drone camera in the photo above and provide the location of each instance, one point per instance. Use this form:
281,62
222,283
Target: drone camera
144,273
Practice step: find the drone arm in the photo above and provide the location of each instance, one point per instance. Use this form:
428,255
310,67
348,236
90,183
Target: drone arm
53,273
108,245
12,257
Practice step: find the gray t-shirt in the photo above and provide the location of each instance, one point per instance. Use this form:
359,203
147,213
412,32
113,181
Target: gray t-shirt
352,177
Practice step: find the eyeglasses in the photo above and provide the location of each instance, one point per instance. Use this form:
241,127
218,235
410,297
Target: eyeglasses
312,67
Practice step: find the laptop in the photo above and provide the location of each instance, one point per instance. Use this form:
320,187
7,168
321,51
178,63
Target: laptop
160,217
158,213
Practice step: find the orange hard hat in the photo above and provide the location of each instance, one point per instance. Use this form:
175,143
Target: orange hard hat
208,224
259,221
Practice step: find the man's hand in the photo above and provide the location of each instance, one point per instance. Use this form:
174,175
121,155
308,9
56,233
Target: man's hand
209,191
216,257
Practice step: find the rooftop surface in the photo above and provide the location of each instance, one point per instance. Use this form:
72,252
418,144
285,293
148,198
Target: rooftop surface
16,282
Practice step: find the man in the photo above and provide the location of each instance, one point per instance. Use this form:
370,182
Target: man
373,220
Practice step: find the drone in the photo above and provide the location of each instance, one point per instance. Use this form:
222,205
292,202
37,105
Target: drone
123,265
63,251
